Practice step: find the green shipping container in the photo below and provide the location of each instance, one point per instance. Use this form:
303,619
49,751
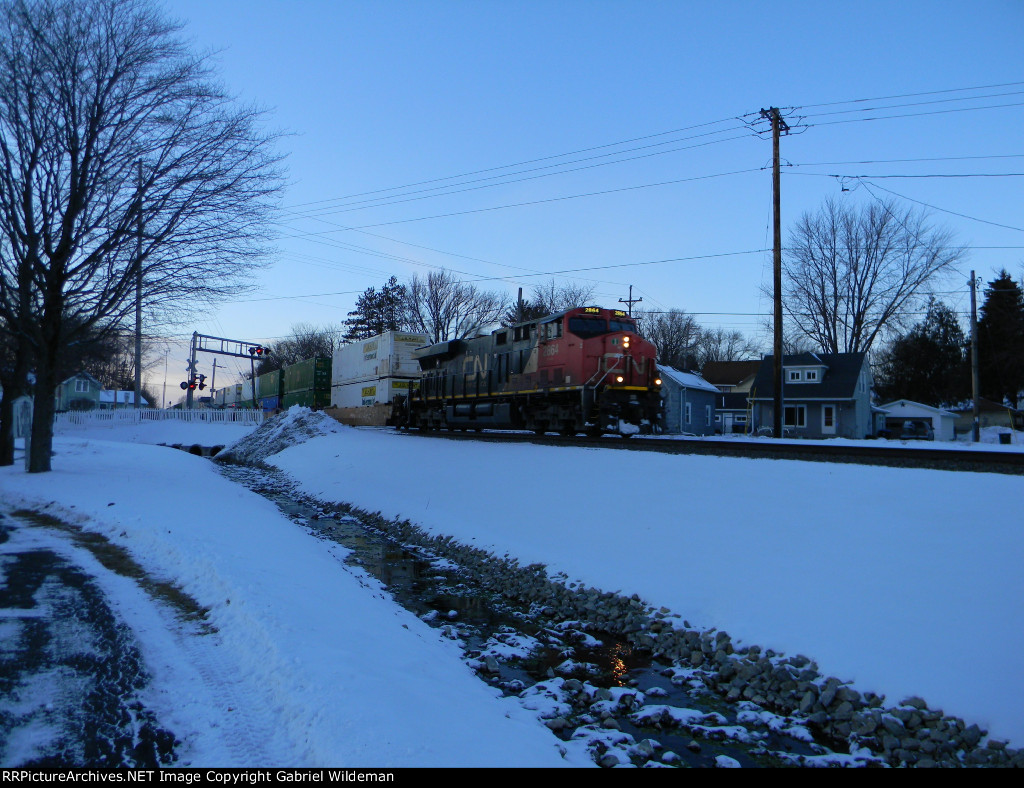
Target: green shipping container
310,398
311,374
269,384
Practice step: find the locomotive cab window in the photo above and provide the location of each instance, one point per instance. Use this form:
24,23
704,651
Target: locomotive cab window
552,330
587,327
501,337
622,325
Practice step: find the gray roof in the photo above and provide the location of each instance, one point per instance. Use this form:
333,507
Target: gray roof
689,380
838,382
729,373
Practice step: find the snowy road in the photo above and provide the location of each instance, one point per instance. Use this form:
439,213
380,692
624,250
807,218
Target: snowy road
300,659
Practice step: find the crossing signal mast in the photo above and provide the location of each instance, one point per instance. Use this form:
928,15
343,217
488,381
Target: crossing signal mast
235,348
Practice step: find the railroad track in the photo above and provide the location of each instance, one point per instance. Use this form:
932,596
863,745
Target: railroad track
902,456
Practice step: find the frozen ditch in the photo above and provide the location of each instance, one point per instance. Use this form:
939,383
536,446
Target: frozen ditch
595,690
624,681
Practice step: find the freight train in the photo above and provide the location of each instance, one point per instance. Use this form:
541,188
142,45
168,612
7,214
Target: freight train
582,370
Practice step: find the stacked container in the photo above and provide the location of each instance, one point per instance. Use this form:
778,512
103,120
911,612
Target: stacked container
372,371
308,383
269,388
229,396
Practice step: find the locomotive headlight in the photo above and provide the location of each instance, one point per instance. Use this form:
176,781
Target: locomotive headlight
625,342
657,381
619,379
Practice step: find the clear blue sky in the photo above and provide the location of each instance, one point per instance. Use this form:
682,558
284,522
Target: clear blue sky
382,94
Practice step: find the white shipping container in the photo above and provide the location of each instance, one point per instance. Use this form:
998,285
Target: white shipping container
368,392
383,356
232,394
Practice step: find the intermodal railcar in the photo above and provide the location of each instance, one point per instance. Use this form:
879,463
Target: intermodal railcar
581,370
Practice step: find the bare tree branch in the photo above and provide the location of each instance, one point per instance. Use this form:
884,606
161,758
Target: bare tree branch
88,90
444,308
850,274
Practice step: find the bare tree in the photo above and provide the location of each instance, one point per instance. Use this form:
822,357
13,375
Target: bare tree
108,124
720,344
306,341
110,359
675,334
548,299
849,273
444,308
556,297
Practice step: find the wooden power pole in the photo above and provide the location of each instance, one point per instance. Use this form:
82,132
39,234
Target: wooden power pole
976,412
138,294
778,127
630,301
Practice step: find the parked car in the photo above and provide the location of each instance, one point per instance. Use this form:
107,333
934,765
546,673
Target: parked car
916,429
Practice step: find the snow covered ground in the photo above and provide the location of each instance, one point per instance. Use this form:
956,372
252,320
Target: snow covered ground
905,581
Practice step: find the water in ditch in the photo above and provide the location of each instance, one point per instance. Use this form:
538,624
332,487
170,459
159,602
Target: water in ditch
594,689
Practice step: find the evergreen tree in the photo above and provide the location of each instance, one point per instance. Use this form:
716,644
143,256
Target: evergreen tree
377,312
357,326
929,364
531,311
1001,340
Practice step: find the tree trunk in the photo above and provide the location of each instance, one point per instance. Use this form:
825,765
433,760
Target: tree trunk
42,420
44,406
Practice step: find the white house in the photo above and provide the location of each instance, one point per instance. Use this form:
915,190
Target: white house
943,422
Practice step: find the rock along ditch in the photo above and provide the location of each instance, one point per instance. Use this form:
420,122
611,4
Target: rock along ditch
629,683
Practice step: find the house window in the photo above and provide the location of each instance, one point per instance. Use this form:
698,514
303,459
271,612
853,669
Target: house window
794,376
794,416
688,412
812,376
828,416
707,415
81,385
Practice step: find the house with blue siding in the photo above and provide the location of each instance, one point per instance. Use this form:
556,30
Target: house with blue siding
824,395
79,392
689,402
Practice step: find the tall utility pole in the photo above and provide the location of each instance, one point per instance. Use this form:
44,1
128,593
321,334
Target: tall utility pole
630,301
213,380
976,414
138,293
778,126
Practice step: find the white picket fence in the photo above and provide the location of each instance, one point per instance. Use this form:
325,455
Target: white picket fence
124,416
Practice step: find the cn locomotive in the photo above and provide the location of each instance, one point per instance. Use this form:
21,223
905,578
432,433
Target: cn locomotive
582,370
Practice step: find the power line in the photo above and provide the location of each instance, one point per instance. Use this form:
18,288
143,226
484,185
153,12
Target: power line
534,202
521,163
403,198
655,135
915,104
905,161
915,114
866,183
923,175
909,95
